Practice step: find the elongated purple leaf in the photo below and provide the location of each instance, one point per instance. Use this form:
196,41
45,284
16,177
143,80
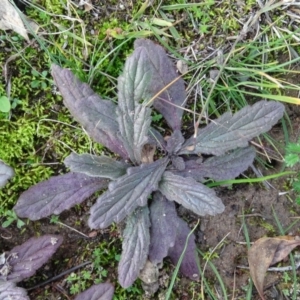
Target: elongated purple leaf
101,291
134,118
164,222
96,166
230,132
189,264
57,194
224,167
175,142
157,139
170,101
178,163
134,129
127,193
8,290
96,115
135,247
133,82
191,194
6,172
25,259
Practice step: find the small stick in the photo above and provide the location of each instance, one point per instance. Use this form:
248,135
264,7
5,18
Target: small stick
277,269
59,275
71,228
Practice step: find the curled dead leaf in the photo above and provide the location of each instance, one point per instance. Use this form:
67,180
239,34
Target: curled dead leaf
148,153
266,252
10,19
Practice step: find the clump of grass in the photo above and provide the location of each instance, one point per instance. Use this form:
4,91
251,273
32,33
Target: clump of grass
292,157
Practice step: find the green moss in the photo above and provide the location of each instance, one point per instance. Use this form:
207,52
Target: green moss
269,227
40,132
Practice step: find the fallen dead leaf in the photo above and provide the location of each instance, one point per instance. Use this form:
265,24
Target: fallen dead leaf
266,252
10,19
148,153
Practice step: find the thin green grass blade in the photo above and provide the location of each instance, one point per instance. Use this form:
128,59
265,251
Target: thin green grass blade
285,130
172,29
247,238
181,6
208,290
175,273
291,226
218,276
249,180
281,98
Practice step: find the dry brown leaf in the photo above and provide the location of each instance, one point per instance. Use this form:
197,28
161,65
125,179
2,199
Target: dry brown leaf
11,20
266,252
148,153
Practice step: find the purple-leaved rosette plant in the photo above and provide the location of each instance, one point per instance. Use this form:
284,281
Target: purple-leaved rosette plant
142,191
24,260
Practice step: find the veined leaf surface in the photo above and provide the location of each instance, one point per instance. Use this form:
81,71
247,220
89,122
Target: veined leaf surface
95,166
9,290
136,240
134,118
224,167
175,142
191,194
189,264
127,193
134,129
57,194
164,222
96,115
25,259
232,131
170,102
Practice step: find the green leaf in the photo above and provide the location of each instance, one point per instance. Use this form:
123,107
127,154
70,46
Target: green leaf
4,104
35,84
296,186
291,159
293,148
7,222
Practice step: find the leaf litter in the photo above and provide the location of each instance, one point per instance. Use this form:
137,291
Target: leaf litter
266,252
10,19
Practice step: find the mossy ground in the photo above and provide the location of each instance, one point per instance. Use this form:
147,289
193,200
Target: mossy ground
39,132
